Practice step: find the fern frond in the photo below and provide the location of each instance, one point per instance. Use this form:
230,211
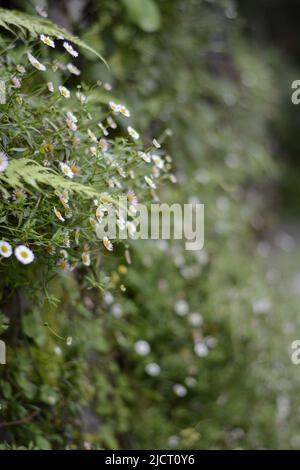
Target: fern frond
35,26
27,171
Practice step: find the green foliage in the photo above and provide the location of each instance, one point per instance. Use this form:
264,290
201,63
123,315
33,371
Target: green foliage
10,19
24,171
213,320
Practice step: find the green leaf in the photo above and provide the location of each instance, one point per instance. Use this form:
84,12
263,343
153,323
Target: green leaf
144,13
36,26
31,173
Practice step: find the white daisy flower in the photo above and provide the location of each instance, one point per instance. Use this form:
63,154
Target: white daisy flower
18,194
71,124
142,348
86,259
5,249
156,143
103,144
131,197
66,170
35,62
152,369
74,70
70,49
150,182
63,264
72,116
46,40
50,87
133,133
158,161
64,91
107,243
21,68
123,110
16,82
145,156
58,214
3,161
24,254
114,107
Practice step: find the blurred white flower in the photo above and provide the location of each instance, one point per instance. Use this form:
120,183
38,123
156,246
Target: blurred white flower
150,182
142,348
179,390
35,62
152,369
181,307
201,349
133,133
116,311
195,319
190,381
158,161
70,49
64,91
211,342
108,298
16,82
145,156
107,243
74,70
50,87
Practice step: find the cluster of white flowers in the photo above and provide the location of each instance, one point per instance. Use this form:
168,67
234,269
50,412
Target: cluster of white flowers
86,154
22,252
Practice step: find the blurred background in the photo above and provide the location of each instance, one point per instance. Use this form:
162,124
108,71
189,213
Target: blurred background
219,322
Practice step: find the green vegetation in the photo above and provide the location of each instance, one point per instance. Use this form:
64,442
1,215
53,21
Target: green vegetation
148,345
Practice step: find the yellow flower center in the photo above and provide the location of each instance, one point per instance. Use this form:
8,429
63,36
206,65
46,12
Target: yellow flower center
24,254
4,249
